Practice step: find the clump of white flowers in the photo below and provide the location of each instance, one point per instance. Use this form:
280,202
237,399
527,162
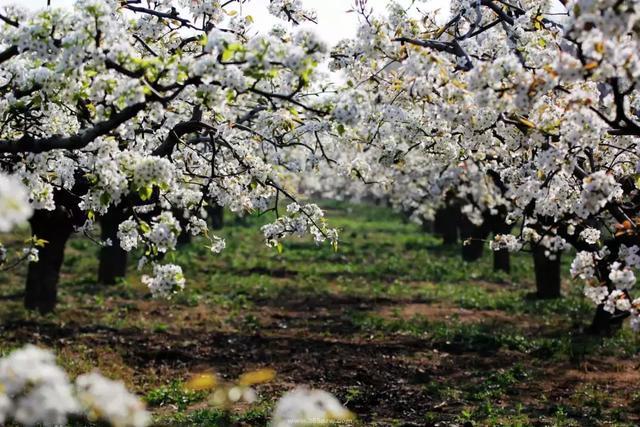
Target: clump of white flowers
622,277
617,300
14,203
128,234
105,399
346,111
635,315
153,171
31,254
583,265
197,226
167,279
590,235
598,189
505,241
597,294
164,232
291,10
299,221
553,246
217,244
303,406
35,391
631,255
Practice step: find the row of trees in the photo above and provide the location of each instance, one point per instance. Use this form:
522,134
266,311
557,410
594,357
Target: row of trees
144,116
516,113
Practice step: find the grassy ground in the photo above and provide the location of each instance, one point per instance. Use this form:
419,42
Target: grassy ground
398,327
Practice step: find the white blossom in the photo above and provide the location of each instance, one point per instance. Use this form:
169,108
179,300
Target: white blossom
590,235
505,241
167,279
14,203
302,406
105,399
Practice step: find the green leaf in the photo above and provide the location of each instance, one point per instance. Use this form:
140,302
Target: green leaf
105,198
145,192
227,55
91,178
40,242
231,96
145,227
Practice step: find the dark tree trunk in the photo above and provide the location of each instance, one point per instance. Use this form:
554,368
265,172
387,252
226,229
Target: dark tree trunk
42,277
501,258
605,323
113,259
501,261
184,238
445,225
473,239
547,274
216,215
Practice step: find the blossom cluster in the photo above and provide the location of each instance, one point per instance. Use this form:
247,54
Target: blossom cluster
14,203
167,279
300,220
35,391
302,406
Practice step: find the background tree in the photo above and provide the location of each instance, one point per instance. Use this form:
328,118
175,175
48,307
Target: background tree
140,110
525,107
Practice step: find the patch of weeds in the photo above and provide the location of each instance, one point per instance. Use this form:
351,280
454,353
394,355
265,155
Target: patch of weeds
416,325
160,327
188,298
592,400
249,323
174,394
352,394
499,383
259,414
200,417
441,390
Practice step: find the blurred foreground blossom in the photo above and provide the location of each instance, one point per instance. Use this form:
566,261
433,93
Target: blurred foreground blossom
303,406
14,203
35,391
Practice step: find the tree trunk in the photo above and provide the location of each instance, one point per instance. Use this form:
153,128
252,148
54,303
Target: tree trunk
547,274
473,239
184,238
501,258
42,277
605,323
216,215
501,261
113,259
445,225
427,226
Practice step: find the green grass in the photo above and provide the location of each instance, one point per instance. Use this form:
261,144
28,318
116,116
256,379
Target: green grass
174,394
